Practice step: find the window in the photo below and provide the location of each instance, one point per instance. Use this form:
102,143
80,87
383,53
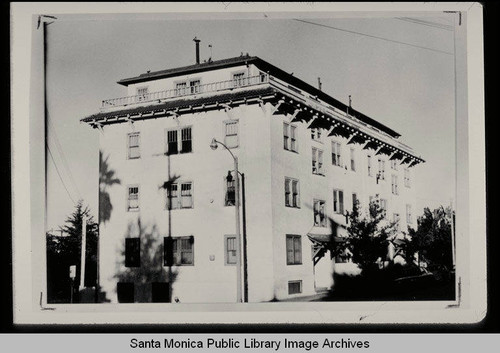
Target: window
289,137
407,177
336,153
230,194
294,287
395,217
133,198
409,216
383,206
353,161
231,250
141,93
178,251
316,134
239,79
369,161
174,146
293,249
394,164
231,133
394,184
317,161
184,200
125,292
291,192
354,200
133,146
180,88
132,252
319,213
381,169
194,86
160,292
338,201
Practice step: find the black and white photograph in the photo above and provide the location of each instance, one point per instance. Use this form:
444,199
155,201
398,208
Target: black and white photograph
250,160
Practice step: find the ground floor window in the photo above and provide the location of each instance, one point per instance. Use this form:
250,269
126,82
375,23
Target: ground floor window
132,252
178,251
125,292
294,287
160,292
231,250
293,249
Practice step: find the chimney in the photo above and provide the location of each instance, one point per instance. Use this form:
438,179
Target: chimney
197,41
319,83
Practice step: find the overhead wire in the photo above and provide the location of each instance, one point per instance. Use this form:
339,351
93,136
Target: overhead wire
58,173
372,36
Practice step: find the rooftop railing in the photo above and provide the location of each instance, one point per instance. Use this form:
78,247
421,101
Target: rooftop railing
186,91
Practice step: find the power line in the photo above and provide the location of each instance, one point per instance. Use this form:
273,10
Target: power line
426,23
63,158
57,170
376,37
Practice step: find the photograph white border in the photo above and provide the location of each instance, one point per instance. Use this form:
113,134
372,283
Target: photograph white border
28,203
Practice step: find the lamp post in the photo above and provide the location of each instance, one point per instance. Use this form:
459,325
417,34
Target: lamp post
213,146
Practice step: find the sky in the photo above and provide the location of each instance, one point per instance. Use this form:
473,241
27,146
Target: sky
408,87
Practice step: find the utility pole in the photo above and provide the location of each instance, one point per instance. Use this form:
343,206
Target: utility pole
84,245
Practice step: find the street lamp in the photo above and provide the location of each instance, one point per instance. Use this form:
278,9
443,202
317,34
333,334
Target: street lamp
213,146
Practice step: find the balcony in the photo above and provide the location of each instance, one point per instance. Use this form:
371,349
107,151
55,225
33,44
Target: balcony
187,91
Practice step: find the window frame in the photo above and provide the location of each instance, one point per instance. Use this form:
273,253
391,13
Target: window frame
381,168
141,97
299,282
369,164
178,249
129,146
178,196
409,214
394,184
243,79
294,250
337,153
290,137
407,178
318,162
128,208
179,139
290,197
131,246
336,198
231,122
323,222
226,249
353,159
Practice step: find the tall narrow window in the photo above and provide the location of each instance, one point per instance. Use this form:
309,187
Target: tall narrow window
338,201
231,134
291,192
186,140
319,213
317,161
354,200
394,184
293,249
383,206
316,134
395,217
336,154
231,251
230,195
409,216
394,164
353,160
239,79
381,169
289,137
132,252
133,146
407,177
178,251
369,163
172,142
133,198
194,86
186,195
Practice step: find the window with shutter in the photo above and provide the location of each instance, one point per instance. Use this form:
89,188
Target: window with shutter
133,198
178,251
293,249
231,250
133,146
231,134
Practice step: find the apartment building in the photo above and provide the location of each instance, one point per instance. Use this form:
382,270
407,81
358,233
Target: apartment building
167,223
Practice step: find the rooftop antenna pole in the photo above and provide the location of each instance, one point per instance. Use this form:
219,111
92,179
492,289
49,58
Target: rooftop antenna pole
197,41
210,46
349,107
319,83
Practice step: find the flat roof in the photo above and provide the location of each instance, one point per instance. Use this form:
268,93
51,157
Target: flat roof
263,66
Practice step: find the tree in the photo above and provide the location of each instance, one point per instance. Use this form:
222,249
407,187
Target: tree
65,251
432,238
368,236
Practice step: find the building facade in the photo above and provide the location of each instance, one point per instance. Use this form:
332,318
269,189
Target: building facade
167,200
